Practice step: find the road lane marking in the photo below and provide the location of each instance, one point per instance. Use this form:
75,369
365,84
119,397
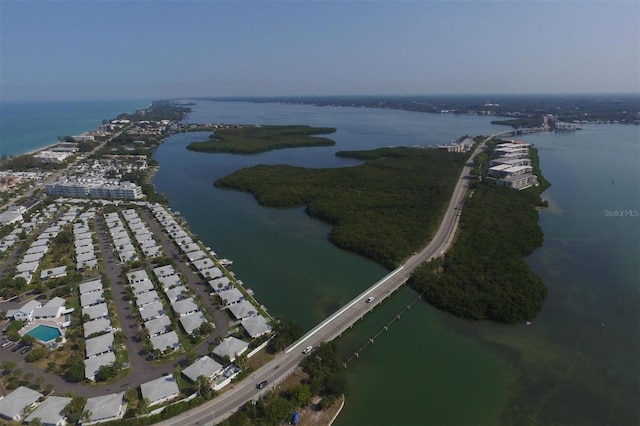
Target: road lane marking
341,311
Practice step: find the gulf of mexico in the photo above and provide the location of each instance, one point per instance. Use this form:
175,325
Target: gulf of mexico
27,126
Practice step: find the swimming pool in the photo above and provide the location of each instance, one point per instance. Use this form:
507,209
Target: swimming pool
45,333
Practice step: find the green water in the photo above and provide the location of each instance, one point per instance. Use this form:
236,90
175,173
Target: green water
430,367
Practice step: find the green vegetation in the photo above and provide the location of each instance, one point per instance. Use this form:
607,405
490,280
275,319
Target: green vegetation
27,162
257,139
326,377
535,121
158,110
285,334
384,209
483,276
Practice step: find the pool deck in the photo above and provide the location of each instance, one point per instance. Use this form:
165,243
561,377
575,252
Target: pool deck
27,328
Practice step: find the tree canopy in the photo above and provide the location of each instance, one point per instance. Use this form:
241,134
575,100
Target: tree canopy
257,139
384,209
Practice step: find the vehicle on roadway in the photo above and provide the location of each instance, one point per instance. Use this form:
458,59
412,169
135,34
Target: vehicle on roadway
307,349
262,384
370,299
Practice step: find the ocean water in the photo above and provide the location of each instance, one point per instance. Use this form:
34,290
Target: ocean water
577,363
25,127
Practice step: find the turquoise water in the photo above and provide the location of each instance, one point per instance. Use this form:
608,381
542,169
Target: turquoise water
45,333
25,127
432,368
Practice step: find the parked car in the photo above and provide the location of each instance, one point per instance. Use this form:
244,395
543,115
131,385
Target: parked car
25,350
262,384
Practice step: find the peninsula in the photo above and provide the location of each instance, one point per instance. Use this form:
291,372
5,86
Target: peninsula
390,206
257,139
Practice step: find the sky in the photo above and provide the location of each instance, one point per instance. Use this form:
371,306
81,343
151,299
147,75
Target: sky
101,50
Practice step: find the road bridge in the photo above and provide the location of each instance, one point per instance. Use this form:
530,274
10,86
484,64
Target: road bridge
284,364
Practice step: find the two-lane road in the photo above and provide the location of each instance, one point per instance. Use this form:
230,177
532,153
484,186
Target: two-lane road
282,365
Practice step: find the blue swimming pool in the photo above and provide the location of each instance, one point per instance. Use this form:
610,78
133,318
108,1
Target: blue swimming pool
45,333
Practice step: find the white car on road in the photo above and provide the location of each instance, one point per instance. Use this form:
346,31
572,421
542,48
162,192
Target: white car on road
307,349
370,299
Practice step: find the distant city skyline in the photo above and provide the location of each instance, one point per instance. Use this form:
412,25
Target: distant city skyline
102,50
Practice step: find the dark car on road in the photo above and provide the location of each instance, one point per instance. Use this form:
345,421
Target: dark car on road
262,384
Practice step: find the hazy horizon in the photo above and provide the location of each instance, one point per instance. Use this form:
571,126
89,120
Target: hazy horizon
105,50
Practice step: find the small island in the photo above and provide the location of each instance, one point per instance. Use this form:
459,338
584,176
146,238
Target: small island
257,139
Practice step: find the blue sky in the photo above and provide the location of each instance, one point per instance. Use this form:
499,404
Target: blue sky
65,50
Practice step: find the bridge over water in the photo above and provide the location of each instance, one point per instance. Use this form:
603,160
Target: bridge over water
284,364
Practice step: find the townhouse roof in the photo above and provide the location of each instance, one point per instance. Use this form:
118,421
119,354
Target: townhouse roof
159,389
231,347
92,365
50,411
256,326
105,407
11,406
192,322
204,366
99,344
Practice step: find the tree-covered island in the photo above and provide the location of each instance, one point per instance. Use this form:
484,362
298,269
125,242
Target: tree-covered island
391,205
258,139
383,209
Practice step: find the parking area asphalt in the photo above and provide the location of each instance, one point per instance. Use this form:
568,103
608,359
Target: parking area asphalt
141,370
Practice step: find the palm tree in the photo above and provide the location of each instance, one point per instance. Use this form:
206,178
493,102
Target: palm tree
86,416
204,386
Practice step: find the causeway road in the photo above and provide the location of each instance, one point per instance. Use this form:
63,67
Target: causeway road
284,364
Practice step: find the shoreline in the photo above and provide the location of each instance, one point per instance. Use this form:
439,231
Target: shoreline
344,398
37,150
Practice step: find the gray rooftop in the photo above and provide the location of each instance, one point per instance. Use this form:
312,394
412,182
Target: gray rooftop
106,407
50,411
184,306
243,310
215,283
162,341
256,326
192,322
96,326
204,366
92,365
151,310
233,295
12,405
143,299
141,287
176,293
159,389
138,275
158,325
231,347
92,298
90,286
95,311
98,345
170,281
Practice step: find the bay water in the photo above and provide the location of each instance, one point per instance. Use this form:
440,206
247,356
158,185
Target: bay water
577,363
